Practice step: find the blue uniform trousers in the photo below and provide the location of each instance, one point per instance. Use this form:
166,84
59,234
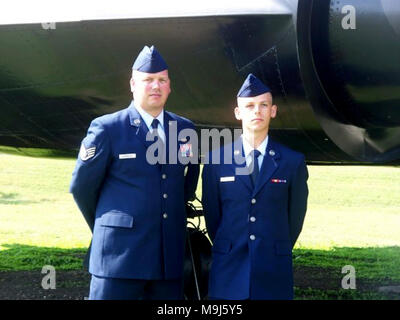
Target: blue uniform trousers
135,289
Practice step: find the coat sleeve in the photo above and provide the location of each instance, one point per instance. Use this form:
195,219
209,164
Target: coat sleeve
298,195
192,175
191,179
211,200
90,170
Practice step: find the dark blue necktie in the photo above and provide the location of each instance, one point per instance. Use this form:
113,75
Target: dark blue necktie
154,125
256,170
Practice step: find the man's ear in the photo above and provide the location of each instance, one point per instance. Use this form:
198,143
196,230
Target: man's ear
274,110
237,113
132,84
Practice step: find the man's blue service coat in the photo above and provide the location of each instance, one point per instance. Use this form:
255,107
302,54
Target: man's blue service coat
253,229
136,210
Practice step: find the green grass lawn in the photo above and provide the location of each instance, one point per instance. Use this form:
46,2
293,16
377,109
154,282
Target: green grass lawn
353,218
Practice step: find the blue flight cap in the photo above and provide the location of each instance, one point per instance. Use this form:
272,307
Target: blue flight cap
149,60
252,87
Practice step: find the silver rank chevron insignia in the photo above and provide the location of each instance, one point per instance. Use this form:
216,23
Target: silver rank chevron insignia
86,154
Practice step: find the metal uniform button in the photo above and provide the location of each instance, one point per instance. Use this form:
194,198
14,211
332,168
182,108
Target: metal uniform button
253,201
164,176
252,219
165,196
165,216
271,153
252,237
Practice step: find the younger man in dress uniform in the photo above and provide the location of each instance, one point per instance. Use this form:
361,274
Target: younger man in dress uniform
254,220
135,209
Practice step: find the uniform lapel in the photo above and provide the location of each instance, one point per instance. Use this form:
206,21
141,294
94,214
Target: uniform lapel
269,165
244,178
139,125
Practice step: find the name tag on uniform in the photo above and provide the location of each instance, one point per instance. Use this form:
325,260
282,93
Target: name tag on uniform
127,156
227,179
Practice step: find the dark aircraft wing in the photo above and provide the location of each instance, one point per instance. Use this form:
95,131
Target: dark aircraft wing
333,66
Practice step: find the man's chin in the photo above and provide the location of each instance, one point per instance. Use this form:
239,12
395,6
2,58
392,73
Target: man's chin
259,129
155,107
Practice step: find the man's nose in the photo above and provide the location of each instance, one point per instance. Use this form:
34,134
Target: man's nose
256,108
155,84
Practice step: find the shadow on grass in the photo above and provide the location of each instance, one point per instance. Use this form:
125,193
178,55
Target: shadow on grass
317,273
370,262
12,198
39,153
8,196
16,257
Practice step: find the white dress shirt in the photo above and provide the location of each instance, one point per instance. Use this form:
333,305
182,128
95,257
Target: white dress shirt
247,148
148,119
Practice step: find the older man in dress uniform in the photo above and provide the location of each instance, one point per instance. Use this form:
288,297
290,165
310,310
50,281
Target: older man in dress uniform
133,199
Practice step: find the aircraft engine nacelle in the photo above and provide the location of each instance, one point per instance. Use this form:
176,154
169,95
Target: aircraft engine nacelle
349,54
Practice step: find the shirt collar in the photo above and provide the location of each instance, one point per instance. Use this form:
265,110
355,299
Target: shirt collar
148,118
247,148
